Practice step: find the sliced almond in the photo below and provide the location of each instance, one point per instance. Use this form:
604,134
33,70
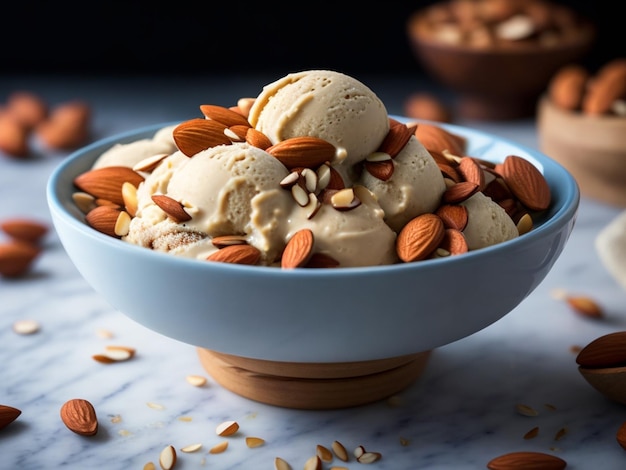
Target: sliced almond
369,457
585,306
26,327
298,249
191,448
129,195
219,448
148,164
345,199
324,453
227,428
281,464
167,458
313,463
253,442
84,201
340,451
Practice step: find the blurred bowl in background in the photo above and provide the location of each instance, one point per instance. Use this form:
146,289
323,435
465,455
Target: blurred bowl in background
497,55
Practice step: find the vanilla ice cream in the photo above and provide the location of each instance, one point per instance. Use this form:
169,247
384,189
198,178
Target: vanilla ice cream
324,104
321,162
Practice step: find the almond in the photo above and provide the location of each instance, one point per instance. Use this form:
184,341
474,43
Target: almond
454,242
28,108
419,237
13,137
106,182
526,460
28,230
526,182
383,170
585,306
459,192
67,127
80,417
16,257
298,250
258,139
567,87
606,351
174,209
199,134
8,414
453,216
236,254
109,220
438,139
471,171
321,260
308,152
223,115
604,91
427,106
396,139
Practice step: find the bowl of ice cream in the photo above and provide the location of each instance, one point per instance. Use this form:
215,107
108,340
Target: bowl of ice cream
497,55
310,267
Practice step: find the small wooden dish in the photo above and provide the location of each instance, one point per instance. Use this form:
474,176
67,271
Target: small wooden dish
591,148
313,385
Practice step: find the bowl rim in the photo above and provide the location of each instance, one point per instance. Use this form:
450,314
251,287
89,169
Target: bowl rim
565,211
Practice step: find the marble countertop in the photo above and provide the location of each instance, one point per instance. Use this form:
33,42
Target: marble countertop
460,414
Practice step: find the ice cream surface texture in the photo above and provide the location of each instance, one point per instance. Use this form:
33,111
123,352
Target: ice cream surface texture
314,174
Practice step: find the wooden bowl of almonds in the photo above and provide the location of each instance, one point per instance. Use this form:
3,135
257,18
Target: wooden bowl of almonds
497,55
327,337
582,125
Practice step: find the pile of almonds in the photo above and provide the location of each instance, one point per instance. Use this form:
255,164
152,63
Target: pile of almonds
500,24
603,93
107,195
23,246
25,114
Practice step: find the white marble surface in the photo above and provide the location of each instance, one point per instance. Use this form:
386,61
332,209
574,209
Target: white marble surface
459,415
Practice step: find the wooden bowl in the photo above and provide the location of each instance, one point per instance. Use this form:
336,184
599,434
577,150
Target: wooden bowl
591,148
495,82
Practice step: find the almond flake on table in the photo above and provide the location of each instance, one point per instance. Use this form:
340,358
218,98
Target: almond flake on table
26,327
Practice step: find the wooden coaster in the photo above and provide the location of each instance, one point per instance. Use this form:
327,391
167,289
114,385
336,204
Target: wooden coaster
313,385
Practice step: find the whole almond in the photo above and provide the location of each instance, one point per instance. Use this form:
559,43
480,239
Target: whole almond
106,182
67,126
16,257
28,108
419,237
454,242
308,152
604,91
236,254
396,139
13,137
527,461
459,192
8,414
80,417
567,87
298,249
526,182
453,216
438,139
223,115
199,134
25,229
258,139
605,351
382,170
171,207
107,220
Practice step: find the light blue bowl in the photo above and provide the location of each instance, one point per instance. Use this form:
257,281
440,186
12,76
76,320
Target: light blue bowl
316,315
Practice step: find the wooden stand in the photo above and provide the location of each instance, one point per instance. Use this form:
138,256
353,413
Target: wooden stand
313,385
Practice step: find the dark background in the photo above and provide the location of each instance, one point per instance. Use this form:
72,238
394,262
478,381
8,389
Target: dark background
198,38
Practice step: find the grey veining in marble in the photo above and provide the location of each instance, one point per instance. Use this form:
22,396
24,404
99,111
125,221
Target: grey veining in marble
460,414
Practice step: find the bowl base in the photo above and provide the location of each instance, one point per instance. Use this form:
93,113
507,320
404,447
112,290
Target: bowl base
313,385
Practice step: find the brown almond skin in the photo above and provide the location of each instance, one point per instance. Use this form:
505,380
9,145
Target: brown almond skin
8,414
527,461
621,435
419,237
28,230
80,417
16,257
605,351
567,87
